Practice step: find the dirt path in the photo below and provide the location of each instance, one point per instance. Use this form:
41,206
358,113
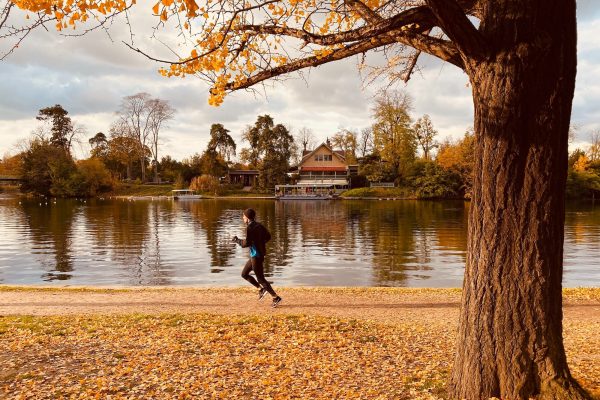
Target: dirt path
378,304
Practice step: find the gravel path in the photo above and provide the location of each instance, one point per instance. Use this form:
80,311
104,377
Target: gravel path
378,304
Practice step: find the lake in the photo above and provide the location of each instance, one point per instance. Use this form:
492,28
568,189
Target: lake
119,242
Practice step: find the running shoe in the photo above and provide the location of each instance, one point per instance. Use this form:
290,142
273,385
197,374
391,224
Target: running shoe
276,301
261,293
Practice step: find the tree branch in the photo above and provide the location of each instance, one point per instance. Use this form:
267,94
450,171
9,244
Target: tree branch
454,22
439,48
364,11
6,12
433,46
420,16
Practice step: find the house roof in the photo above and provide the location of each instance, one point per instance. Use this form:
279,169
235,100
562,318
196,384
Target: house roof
337,169
338,153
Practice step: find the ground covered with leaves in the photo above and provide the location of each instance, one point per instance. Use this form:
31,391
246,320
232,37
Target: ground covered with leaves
208,356
259,354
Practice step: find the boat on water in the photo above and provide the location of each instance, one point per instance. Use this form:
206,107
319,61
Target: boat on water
185,194
313,191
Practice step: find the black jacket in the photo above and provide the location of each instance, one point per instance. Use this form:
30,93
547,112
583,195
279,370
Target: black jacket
256,235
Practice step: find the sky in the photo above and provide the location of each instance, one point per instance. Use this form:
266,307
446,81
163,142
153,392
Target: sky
90,75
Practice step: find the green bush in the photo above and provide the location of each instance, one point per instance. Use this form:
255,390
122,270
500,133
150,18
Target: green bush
583,184
91,178
47,170
431,181
380,192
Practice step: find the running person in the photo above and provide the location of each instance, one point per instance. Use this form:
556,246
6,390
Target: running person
256,238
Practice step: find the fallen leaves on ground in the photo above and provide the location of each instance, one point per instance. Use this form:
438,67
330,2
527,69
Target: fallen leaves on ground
230,357
278,356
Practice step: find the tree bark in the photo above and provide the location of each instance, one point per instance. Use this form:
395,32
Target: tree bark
510,342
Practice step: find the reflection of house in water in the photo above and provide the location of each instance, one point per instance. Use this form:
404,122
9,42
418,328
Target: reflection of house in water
322,171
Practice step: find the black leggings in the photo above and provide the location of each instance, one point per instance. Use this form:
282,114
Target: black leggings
256,264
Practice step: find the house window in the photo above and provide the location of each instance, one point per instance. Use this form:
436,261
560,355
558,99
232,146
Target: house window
324,157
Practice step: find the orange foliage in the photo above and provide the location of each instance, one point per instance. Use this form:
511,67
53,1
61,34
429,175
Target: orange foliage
226,51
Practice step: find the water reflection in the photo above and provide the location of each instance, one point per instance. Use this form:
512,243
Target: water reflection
50,231
315,243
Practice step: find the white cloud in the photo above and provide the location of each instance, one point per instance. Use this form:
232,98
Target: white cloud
89,76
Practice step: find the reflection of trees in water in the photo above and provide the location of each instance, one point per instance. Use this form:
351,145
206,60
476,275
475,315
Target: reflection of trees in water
402,235
451,228
323,221
396,240
388,226
274,216
582,225
50,225
131,234
219,220
211,221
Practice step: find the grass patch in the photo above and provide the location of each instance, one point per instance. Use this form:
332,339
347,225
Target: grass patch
126,189
379,192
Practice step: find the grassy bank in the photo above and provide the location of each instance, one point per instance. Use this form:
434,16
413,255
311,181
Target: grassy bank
138,190
126,189
379,192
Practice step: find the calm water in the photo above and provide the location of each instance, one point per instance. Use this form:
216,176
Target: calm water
315,243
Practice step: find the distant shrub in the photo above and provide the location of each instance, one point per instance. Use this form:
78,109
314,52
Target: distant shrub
431,181
91,178
206,183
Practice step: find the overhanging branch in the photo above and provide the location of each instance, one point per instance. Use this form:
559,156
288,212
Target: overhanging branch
436,47
364,11
454,22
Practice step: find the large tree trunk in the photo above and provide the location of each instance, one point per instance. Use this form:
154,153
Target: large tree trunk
510,335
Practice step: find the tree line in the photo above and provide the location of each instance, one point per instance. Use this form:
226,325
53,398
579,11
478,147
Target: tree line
395,148
46,163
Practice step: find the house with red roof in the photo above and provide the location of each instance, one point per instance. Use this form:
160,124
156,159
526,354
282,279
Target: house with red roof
324,166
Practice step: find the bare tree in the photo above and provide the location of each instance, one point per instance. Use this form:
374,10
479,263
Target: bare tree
306,139
134,113
365,142
123,147
144,116
425,135
160,112
594,149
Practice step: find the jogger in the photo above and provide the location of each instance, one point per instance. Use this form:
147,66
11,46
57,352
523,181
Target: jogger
256,238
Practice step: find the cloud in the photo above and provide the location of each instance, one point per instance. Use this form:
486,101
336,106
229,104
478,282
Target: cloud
90,75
